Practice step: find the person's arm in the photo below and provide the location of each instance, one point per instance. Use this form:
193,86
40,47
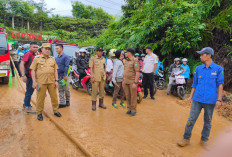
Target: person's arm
188,70
56,78
220,83
33,76
154,69
115,70
170,70
91,70
194,85
66,67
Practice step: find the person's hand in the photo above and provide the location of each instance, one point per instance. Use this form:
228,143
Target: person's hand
218,105
115,83
24,79
65,78
123,84
56,84
92,79
134,86
34,85
190,99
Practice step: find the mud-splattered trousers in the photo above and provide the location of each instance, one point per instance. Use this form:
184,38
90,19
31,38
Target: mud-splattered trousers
194,113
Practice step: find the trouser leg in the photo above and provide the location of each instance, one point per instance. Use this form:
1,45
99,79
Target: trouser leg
61,90
101,89
115,94
29,92
209,109
194,113
133,92
67,92
145,82
17,67
128,96
95,87
41,93
121,92
171,79
151,84
53,94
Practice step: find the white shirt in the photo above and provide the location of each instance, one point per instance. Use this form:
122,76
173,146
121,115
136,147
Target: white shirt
149,63
109,65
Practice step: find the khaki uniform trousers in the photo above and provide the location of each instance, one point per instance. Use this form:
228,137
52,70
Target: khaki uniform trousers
131,97
98,86
41,93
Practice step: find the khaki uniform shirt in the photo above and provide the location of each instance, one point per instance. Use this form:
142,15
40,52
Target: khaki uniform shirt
45,69
14,56
99,66
131,67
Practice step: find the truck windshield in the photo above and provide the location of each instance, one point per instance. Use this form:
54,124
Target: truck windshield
3,44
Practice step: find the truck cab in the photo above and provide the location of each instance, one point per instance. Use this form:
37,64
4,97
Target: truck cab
4,57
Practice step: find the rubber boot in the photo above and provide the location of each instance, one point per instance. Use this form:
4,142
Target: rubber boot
101,104
94,105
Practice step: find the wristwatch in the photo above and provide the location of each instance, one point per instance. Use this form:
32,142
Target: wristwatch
135,82
219,100
57,80
23,75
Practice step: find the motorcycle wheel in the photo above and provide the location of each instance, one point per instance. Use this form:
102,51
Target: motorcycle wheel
89,88
160,85
181,93
155,87
139,97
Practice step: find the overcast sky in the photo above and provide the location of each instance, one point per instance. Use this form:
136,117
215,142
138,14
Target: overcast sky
64,7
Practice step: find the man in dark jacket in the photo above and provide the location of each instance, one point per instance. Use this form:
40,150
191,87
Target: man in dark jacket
82,65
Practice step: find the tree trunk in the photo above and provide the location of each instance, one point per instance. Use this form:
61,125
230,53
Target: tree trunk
28,25
13,22
41,26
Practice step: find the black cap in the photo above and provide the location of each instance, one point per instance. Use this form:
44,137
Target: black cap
131,50
99,49
149,47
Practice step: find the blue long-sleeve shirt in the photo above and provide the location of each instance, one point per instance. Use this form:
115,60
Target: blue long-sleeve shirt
186,74
160,64
206,81
63,62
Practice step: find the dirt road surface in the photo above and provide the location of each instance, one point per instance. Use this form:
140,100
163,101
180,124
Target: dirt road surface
153,132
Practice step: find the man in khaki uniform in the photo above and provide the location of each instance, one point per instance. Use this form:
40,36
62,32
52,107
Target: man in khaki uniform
45,77
130,79
97,66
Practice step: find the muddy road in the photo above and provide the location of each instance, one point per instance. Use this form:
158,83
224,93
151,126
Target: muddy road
153,132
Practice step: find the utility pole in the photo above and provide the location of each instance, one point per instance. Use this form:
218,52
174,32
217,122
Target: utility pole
28,25
13,22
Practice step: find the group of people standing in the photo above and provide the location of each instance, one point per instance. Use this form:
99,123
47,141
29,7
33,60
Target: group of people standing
43,73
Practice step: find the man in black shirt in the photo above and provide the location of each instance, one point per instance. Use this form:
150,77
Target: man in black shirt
82,65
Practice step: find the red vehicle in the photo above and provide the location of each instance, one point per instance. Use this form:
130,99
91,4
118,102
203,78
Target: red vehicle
85,83
4,57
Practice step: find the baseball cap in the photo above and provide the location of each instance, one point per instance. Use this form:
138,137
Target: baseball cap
99,49
207,50
149,47
131,50
46,45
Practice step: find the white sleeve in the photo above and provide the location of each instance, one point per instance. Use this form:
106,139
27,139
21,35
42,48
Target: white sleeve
155,59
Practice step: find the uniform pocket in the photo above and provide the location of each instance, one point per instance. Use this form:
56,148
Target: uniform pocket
213,80
200,80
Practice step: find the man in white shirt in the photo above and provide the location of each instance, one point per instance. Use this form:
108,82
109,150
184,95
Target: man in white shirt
109,66
149,66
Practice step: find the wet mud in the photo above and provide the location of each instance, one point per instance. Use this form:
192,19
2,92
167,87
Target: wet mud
153,132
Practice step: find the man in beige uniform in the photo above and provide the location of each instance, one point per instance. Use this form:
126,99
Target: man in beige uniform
45,77
130,79
97,66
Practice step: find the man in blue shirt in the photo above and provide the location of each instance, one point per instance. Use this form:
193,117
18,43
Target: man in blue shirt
207,89
63,61
186,67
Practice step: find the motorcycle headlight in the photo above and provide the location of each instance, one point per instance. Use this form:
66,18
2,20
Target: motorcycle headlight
5,65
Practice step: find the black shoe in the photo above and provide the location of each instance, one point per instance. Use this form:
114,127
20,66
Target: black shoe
144,97
152,98
57,114
40,117
62,106
67,103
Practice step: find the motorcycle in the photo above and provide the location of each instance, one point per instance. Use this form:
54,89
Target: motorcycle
178,84
85,82
159,79
110,90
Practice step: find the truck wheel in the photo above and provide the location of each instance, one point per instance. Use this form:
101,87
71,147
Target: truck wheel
6,80
139,97
181,93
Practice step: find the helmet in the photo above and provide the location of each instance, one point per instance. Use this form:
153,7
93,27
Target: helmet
176,59
136,55
87,52
112,52
20,47
184,60
143,55
82,50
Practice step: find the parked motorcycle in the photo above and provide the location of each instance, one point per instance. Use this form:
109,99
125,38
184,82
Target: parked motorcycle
159,79
85,82
177,88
